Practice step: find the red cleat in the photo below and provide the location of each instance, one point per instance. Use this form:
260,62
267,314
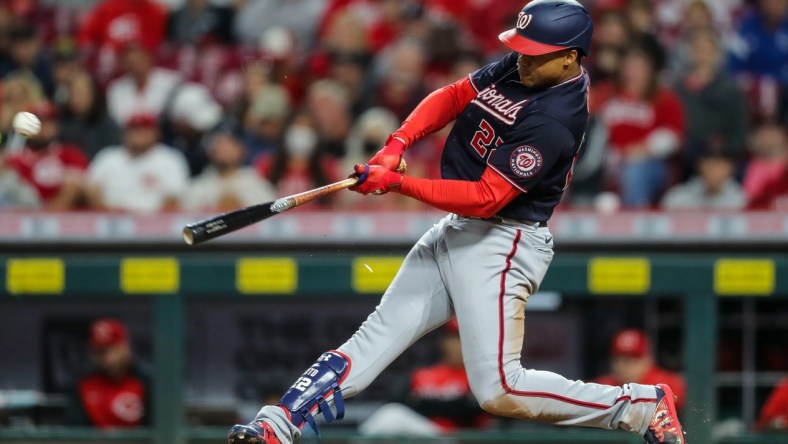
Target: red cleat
664,426
257,432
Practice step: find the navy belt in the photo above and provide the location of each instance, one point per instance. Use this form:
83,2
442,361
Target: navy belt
496,219
503,220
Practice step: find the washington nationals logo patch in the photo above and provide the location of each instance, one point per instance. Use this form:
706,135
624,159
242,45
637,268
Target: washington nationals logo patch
525,161
523,20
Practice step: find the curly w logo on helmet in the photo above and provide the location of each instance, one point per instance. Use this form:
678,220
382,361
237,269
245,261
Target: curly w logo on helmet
523,20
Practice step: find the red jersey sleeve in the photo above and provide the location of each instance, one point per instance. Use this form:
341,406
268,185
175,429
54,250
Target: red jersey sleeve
483,198
436,111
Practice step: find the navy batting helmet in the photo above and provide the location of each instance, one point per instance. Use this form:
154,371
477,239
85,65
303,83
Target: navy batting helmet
545,26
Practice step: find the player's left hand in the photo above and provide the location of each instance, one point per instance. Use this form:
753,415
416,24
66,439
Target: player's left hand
379,179
390,155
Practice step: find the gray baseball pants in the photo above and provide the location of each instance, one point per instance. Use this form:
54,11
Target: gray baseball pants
483,272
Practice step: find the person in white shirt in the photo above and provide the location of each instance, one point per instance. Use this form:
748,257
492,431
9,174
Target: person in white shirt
227,184
144,87
713,189
142,175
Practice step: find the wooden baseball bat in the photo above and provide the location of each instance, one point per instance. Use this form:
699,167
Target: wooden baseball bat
222,224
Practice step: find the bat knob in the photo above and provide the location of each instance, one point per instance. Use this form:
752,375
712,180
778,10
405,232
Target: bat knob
403,166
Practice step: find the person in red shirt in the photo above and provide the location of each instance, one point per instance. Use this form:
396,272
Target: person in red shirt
766,175
774,415
54,169
632,362
441,392
645,125
117,22
116,393
112,24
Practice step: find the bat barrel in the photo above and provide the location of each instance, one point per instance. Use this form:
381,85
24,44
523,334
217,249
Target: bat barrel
208,229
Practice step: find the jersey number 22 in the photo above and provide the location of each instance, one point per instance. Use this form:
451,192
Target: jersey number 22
483,139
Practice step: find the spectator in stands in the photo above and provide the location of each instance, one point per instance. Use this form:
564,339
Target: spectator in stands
713,188
476,17
344,50
631,360
284,62
144,87
299,163
641,17
141,175
610,40
15,193
117,392
26,54
66,65
198,22
300,16
350,71
56,170
265,120
329,103
254,78
715,109
759,53
368,135
84,121
118,22
21,92
696,17
766,176
191,114
678,17
774,415
645,123
444,47
226,183
388,23
437,400
112,24
399,74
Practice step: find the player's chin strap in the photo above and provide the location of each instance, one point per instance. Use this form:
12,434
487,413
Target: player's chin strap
312,390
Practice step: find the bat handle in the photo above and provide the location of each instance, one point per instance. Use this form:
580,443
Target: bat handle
401,168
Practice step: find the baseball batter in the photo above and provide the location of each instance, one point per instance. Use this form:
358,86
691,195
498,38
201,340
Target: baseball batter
519,126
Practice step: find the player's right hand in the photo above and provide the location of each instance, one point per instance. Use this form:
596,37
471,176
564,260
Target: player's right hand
390,155
375,179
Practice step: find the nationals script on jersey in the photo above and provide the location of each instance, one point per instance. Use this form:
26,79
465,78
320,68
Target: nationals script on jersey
530,136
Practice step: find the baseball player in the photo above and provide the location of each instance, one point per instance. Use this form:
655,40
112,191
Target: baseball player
519,126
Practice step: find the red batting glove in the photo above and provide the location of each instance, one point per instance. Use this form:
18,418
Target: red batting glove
390,155
379,180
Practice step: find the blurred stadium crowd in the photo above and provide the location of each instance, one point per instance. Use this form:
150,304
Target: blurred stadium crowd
152,105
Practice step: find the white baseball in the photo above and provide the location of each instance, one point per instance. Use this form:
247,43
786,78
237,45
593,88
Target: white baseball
26,124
